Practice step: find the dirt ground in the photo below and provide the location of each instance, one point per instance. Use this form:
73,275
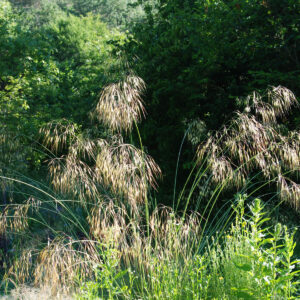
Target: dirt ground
31,293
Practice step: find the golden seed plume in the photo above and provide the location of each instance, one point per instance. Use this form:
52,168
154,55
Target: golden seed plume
252,141
128,171
64,260
121,105
57,135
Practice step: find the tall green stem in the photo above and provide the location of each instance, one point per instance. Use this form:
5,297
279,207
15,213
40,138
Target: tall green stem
144,172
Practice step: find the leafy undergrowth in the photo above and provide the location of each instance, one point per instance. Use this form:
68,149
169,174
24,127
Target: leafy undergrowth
250,261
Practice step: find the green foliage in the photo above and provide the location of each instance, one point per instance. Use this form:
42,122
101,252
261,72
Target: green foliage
251,261
115,13
13,104
62,65
80,61
51,69
254,262
197,57
108,277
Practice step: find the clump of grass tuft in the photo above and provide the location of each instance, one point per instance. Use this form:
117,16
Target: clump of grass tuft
250,261
111,180
63,261
93,166
253,142
128,171
106,243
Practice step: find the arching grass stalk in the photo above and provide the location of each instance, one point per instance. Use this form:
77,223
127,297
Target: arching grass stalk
198,176
177,166
217,191
227,220
29,185
144,177
227,180
56,201
270,181
41,260
215,196
253,141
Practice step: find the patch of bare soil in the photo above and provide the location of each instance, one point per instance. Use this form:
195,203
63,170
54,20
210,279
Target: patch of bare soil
32,293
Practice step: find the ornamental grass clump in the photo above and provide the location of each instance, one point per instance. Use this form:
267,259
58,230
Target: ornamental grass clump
254,142
127,170
110,180
95,230
93,166
155,266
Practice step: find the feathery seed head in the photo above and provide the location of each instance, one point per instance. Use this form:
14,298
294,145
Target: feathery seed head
251,142
121,105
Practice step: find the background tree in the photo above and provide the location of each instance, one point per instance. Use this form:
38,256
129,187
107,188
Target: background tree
51,69
198,57
115,13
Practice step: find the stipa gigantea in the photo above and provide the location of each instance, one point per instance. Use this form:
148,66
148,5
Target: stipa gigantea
57,135
121,104
275,102
63,261
14,218
289,192
92,165
108,222
100,174
127,170
120,107
176,235
253,141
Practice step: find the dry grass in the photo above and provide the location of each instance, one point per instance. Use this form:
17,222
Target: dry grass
92,165
60,264
121,104
32,293
128,171
14,218
110,178
98,165
64,261
253,142
57,135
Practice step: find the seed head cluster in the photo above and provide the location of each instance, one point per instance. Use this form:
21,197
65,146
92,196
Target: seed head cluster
253,141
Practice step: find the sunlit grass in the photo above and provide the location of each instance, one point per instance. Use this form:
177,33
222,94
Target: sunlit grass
112,242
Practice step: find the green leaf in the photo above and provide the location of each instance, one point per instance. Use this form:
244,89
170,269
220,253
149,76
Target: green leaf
245,295
244,267
120,274
266,241
263,221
